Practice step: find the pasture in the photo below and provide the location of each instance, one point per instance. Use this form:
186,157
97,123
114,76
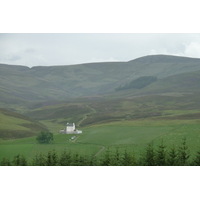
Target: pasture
124,135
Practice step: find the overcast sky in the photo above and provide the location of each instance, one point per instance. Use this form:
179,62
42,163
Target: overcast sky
73,48
96,31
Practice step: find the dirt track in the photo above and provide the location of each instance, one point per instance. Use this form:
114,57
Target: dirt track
99,151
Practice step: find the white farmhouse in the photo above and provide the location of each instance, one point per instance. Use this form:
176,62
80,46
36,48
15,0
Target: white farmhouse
70,129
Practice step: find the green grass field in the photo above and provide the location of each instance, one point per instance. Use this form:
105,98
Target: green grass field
29,147
124,135
135,135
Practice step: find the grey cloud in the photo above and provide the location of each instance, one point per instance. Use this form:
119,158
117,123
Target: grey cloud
30,50
13,58
74,48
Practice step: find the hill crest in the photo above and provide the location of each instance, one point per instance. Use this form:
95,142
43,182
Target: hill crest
159,58
20,83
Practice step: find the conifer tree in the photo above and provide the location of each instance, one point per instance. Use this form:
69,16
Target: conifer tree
48,159
141,159
83,160
160,159
65,159
23,161
54,158
149,157
115,161
16,160
128,159
106,160
5,162
172,157
19,160
51,158
92,161
183,154
39,160
75,160
196,160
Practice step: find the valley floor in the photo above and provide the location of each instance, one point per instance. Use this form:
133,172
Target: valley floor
132,136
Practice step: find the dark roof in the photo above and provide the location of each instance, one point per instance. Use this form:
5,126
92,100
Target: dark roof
70,125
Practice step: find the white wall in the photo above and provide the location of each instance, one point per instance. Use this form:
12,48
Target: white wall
70,128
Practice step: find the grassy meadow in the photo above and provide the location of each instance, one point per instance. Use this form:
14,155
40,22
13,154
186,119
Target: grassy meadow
132,136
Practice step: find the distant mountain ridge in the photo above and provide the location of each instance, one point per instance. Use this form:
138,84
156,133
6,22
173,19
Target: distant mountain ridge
164,58
20,83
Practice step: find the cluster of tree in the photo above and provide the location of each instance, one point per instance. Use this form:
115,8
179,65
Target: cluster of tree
154,156
18,160
52,158
44,137
138,83
159,156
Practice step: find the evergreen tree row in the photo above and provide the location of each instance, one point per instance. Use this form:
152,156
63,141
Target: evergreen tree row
159,156
138,83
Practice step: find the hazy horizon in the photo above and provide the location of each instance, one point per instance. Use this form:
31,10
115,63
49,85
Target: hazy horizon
49,49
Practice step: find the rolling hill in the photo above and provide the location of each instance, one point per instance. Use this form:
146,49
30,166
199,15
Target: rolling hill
20,84
85,93
184,83
17,86
97,78
175,96
14,125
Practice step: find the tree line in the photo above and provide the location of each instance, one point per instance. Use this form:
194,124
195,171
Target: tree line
151,156
138,83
